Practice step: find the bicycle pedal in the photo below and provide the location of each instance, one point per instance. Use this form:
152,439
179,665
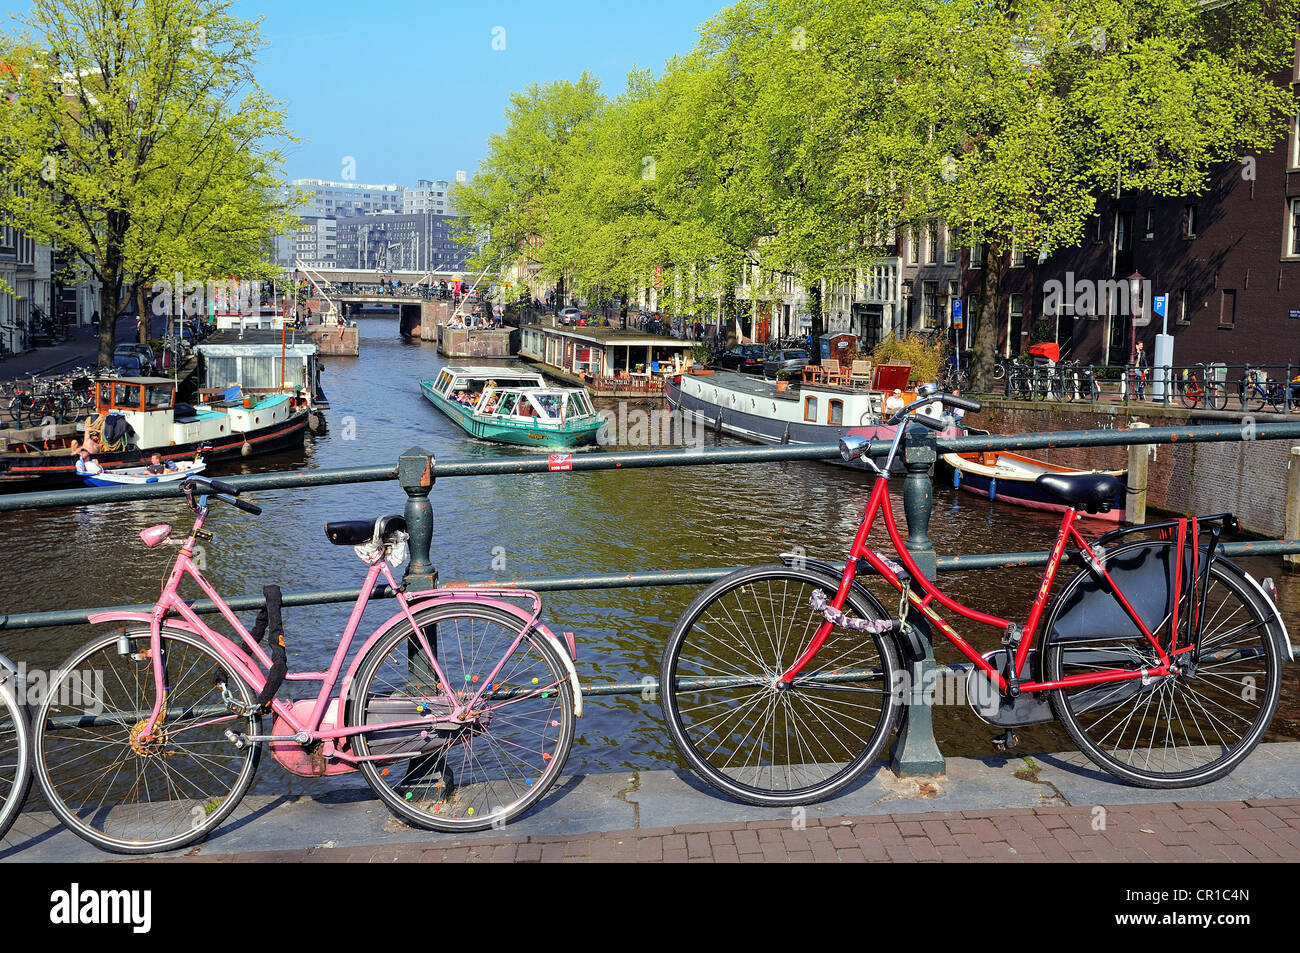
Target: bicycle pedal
1007,741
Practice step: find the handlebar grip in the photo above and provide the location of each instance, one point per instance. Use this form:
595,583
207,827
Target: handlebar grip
965,403
220,486
931,422
244,505
897,419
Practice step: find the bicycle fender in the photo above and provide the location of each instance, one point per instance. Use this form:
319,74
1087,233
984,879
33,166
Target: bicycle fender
146,618
1279,632
908,643
438,597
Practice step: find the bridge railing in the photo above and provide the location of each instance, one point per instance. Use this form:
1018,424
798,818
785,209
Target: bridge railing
416,472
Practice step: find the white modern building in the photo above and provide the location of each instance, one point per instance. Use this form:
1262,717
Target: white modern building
331,199
428,196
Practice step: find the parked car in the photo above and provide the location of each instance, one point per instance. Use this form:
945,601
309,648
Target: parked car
747,358
143,354
569,315
793,361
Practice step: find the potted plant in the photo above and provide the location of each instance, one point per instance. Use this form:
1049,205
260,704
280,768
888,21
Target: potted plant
783,379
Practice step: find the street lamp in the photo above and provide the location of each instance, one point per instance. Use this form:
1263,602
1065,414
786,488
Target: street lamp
1135,305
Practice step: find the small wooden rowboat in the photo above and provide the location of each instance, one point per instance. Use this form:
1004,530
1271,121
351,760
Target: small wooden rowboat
139,476
1013,478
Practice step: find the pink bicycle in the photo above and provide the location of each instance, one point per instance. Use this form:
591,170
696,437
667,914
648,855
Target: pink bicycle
458,710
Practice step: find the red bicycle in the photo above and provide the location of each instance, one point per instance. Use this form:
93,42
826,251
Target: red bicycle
781,684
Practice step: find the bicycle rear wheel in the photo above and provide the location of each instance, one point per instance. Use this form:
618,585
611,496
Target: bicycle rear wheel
1216,395
118,791
1189,393
1177,730
503,757
15,751
742,734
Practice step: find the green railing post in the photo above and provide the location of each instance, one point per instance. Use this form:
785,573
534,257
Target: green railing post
916,752
415,475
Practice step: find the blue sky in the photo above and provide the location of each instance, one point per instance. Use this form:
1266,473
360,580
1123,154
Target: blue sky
412,90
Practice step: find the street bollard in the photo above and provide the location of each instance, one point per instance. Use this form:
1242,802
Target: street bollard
415,470
916,753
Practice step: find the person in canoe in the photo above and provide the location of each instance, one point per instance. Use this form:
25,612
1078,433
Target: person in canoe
156,464
86,465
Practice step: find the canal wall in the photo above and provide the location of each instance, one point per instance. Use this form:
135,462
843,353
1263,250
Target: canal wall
1251,479
336,341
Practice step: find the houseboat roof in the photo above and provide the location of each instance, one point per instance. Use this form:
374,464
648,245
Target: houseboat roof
138,380
298,341
489,371
611,337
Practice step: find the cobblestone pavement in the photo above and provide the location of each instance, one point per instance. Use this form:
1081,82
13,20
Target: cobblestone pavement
1181,831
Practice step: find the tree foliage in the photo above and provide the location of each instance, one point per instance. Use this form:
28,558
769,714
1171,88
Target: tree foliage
134,136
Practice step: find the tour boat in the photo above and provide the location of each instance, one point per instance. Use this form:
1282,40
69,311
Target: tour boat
136,416
513,406
1012,478
139,476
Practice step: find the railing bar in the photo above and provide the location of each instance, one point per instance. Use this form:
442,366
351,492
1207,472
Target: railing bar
629,580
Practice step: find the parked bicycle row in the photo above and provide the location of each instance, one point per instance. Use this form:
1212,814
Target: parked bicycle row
780,684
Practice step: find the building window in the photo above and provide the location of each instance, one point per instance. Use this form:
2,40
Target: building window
977,256
1189,220
1123,231
1094,229
836,413
929,304
1017,255
932,239
1293,246
913,245
1295,142
1227,308
1184,307
1016,312
1149,225
810,409
949,246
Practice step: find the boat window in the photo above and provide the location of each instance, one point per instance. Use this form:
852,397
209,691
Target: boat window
550,404
126,395
507,405
810,408
105,394
836,413
158,397
441,383
574,407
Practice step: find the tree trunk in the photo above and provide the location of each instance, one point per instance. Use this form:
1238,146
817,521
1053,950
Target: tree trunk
143,312
986,322
814,286
108,312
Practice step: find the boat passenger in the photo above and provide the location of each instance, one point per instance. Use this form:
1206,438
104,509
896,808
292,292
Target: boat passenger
156,464
85,465
895,403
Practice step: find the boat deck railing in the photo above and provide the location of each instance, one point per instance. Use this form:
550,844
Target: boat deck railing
416,472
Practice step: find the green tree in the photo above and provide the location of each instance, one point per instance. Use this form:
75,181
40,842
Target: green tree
134,136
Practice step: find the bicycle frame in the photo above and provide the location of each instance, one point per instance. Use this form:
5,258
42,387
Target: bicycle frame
879,504
252,670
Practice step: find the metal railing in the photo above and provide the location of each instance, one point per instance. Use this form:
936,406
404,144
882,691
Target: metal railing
416,472
1247,388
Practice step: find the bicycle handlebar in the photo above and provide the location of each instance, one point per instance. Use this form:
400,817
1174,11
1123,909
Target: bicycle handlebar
244,505
965,403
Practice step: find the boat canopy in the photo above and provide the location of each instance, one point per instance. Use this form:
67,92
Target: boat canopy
140,394
549,404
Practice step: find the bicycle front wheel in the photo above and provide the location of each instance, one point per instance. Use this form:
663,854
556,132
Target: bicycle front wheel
502,756
757,742
110,785
1189,394
1182,729
15,751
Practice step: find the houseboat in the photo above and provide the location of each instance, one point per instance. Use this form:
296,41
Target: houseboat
135,416
514,407
609,363
755,409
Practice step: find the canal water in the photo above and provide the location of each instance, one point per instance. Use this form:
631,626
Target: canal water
524,526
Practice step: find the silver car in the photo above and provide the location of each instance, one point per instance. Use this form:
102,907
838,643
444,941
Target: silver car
793,361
